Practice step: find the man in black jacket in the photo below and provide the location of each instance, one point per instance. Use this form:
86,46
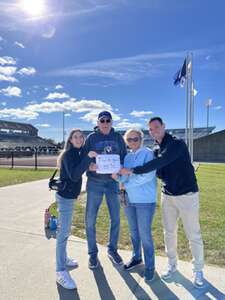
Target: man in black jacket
180,197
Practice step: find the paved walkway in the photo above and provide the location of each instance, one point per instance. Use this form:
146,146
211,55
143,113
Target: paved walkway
28,260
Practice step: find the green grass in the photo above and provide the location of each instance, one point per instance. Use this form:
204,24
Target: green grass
14,176
211,179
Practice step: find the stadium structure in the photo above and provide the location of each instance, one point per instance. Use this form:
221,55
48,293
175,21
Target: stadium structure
23,138
179,133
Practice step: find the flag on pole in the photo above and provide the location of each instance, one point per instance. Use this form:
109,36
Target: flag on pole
208,102
180,76
193,90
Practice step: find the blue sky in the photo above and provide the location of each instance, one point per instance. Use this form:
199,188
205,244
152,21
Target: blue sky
85,56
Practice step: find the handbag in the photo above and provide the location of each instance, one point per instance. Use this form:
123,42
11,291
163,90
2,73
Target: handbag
56,184
123,198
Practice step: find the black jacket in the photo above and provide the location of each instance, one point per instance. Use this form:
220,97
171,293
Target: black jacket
74,163
173,166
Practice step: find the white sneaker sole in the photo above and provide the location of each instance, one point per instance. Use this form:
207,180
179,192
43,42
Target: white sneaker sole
93,267
66,287
168,276
131,268
198,286
72,266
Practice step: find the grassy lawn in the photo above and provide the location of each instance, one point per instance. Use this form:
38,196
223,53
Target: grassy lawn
9,177
212,217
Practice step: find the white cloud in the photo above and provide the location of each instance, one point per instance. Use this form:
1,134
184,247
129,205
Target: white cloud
1,39
90,107
58,87
20,45
128,125
3,103
7,78
140,113
11,91
43,125
70,105
7,60
7,70
27,71
121,69
92,116
49,32
68,115
18,113
52,96
219,107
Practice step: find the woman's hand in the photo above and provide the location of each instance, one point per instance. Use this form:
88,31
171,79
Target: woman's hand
125,171
92,154
93,167
114,176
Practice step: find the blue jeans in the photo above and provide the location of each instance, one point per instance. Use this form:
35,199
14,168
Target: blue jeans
96,188
65,209
140,218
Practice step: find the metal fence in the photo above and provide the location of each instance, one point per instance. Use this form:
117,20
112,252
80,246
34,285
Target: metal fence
34,159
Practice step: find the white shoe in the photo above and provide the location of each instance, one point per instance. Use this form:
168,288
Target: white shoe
71,262
65,280
198,279
169,272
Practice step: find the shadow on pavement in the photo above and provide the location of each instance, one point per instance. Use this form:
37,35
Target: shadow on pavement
65,294
204,293
104,289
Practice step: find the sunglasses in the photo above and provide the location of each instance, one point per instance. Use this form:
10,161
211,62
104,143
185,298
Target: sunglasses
105,120
135,139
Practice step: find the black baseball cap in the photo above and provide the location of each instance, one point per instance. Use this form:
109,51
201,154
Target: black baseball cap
105,114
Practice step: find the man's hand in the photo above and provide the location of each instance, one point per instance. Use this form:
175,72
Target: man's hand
114,176
125,171
92,154
93,167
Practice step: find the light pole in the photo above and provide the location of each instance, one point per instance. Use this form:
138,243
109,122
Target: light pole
63,126
208,104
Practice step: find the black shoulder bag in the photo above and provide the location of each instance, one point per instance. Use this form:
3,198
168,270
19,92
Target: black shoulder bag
56,184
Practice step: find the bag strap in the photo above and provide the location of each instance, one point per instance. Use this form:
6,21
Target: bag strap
54,173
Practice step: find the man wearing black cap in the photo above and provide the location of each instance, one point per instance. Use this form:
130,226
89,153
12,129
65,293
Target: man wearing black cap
104,140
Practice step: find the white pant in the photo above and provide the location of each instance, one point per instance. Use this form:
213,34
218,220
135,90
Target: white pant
187,208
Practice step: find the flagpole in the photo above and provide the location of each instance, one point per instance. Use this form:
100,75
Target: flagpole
191,110
187,100
192,120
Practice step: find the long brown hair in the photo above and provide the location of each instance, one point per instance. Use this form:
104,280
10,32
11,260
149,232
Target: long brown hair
67,145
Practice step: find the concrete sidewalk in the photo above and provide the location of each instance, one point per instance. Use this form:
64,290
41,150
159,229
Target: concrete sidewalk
27,258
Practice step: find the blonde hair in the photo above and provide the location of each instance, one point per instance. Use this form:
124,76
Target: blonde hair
134,130
68,145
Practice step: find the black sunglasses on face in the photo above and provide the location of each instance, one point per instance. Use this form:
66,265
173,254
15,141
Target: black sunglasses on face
135,139
105,120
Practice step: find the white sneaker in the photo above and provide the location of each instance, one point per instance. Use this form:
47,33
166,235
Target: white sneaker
65,280
71,262
169,272
198,279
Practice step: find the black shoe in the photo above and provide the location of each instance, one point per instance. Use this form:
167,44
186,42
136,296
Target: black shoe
93,262
115,257
149,274
132,264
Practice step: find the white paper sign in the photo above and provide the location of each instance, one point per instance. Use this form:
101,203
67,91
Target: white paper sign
108,163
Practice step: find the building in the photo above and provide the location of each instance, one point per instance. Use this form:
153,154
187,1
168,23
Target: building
21,137
210,148
179,133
